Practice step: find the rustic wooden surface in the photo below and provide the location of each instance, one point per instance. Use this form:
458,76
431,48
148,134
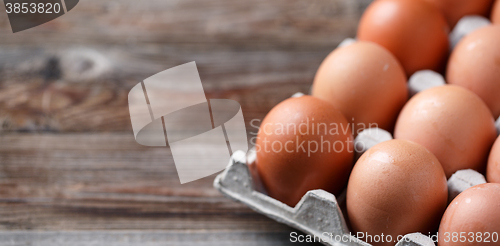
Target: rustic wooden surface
68,160
150,238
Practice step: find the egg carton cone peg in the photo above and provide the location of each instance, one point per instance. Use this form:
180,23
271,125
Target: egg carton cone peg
463,180
368,138
415,239
497,125
298,94
346,42
465,26
423,80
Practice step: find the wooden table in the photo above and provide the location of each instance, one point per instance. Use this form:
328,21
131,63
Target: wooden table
71,172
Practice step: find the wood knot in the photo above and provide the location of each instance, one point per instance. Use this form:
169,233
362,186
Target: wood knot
83,64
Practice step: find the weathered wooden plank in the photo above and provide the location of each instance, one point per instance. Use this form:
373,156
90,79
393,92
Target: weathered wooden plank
73,74
107,181
283,22
257,79
150,238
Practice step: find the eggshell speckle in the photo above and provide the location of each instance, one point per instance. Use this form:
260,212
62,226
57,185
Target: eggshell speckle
396,187
453,123
473,214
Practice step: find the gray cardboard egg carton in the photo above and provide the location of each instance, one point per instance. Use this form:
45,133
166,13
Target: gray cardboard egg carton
318,212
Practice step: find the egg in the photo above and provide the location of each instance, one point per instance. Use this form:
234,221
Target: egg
415,31
495,13
453,123
493,168
303,144
396,187
454,10
365,82
475,65
472,218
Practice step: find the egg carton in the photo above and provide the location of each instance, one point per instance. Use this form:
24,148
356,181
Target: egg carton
318,213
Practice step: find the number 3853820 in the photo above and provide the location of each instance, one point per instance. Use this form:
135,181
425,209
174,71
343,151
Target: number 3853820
478,237
33,8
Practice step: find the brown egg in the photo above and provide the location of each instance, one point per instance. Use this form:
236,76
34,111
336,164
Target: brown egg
415,31
495,13
453,123
472,218
475,65
493,168
454,10
304,143
365,82
396,187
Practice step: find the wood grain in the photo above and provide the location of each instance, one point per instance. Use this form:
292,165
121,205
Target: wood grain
107,181
104,189
73,74
150,238
70,170
218,22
